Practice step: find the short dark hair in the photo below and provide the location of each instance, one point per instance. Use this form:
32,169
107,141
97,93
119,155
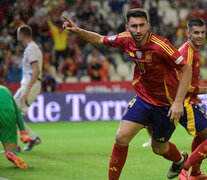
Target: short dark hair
136,12
26,30
195,22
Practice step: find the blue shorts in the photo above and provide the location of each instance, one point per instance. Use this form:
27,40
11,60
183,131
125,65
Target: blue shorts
141,112
194,120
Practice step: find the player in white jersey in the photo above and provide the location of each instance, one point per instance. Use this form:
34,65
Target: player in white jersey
31,78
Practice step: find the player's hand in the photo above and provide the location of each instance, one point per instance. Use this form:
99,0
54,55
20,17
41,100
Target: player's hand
24,137
69,25
199,100
24,97
176,111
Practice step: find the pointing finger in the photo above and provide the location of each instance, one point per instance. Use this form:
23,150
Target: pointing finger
66,18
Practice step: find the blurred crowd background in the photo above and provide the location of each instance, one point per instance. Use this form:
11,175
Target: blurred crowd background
68,58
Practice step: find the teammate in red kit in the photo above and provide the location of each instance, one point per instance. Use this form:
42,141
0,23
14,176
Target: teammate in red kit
160,94
194,119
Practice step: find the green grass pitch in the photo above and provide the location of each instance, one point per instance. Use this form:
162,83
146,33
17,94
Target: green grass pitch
81,151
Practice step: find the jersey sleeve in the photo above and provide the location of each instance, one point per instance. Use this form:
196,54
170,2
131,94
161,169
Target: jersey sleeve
114,41
187,53
171,54
20,122
31,55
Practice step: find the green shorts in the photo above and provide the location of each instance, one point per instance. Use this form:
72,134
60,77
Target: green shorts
8,126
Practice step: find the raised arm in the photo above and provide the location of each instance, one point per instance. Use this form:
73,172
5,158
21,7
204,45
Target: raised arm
88,36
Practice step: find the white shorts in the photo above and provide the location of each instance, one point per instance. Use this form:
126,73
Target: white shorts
35,90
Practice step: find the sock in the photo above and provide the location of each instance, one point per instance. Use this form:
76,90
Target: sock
117,161
196,142
195,171
149,130
173,153
29,132
197,156
15,153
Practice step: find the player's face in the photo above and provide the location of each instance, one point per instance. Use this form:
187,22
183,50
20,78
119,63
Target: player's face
138,28
197,35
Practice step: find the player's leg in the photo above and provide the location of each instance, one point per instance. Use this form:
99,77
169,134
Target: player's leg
35,139
134,118
8,136
31,98
194,121
162,129
35,90
125,134
17,98
12,155
195,170
170,152
197,156
149,142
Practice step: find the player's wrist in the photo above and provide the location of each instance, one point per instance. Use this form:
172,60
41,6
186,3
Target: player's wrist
23,133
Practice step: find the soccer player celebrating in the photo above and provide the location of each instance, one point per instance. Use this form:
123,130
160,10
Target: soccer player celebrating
31,78
194,119
160,94
10,118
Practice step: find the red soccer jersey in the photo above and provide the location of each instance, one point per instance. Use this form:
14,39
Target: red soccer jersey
155,79
193,59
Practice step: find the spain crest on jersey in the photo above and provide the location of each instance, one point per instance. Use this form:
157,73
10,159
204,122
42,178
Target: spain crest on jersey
148,57
139,54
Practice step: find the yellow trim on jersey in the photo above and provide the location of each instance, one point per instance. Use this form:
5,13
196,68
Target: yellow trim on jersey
149,37
124,34
190,117
187,100
161,43
190,55
136,80
191,88
168,94
177,74
170,101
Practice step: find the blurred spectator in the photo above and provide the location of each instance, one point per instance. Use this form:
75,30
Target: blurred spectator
98,66
104,17
14,73
153,15
104,26
5,39
136,4
82,67
17,21
69,68
60,37
117,5
3,25
48,82
196,11
47,55
169,33
3,9
3,71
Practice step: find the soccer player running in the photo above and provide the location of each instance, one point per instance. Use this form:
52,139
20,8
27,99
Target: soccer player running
31,78
160,94
194,119
10,118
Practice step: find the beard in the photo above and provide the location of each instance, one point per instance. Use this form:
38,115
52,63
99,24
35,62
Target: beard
138,38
